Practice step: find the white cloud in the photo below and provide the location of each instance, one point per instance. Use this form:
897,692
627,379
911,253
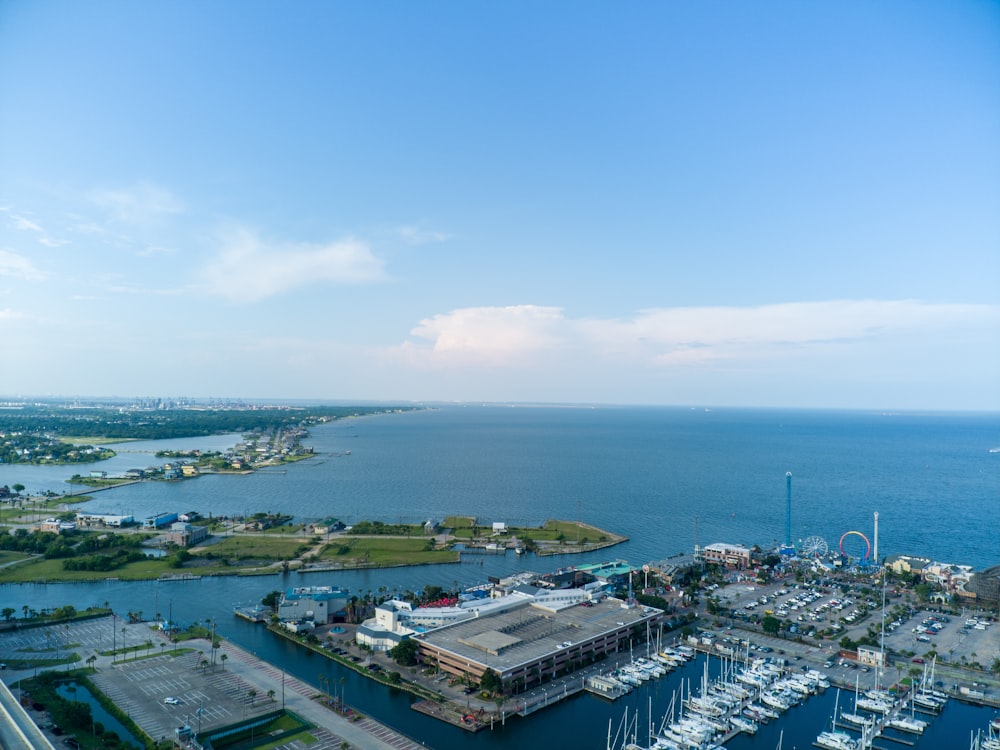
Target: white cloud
247,269
19,267
676,337
49,242
25,224
142,204
419,235
490,336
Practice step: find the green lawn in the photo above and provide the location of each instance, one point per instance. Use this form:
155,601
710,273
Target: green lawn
52,570
258,547
380,551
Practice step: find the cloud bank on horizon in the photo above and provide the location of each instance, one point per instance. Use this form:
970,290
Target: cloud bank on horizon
796,210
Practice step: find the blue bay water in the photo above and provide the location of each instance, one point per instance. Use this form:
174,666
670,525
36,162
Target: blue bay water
666,478
661,476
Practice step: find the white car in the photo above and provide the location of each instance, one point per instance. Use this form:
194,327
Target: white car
172,701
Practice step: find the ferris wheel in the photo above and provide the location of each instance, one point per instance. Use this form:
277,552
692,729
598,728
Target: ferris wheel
815,546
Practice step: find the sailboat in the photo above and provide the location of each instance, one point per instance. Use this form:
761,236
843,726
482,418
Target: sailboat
858,720
834,740
909,724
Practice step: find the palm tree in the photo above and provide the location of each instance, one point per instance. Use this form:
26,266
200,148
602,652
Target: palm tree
270,693
252,694
91,659
223,658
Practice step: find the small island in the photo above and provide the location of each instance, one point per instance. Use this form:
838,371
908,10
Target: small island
39,449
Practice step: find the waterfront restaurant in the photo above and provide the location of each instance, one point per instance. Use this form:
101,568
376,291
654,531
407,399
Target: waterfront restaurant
535,639
729,555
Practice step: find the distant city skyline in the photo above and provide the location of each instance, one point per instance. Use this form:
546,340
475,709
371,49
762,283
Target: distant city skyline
776,205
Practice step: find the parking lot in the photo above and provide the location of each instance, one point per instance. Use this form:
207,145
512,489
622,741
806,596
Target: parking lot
162,690
968,639
915,634
201,698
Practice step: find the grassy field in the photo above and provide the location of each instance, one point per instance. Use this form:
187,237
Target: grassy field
96,482
94,440
38,509
52,570
285,530
253,547
285,727
8,557
458,522
383,552
550,531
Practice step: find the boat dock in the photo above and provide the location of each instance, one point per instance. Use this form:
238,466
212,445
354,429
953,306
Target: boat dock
254,613
604,687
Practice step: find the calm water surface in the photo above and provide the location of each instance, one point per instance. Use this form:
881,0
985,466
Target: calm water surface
667,478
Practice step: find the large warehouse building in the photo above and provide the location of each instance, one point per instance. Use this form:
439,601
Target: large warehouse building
536,639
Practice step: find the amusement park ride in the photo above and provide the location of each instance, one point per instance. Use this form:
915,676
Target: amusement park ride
815,547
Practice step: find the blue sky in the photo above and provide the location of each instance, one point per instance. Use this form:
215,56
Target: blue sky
757,204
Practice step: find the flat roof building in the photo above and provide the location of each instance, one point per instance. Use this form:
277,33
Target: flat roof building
185,534
528,639
103,519
321,604
729,555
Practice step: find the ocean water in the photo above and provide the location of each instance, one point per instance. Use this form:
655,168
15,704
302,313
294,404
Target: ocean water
668,478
